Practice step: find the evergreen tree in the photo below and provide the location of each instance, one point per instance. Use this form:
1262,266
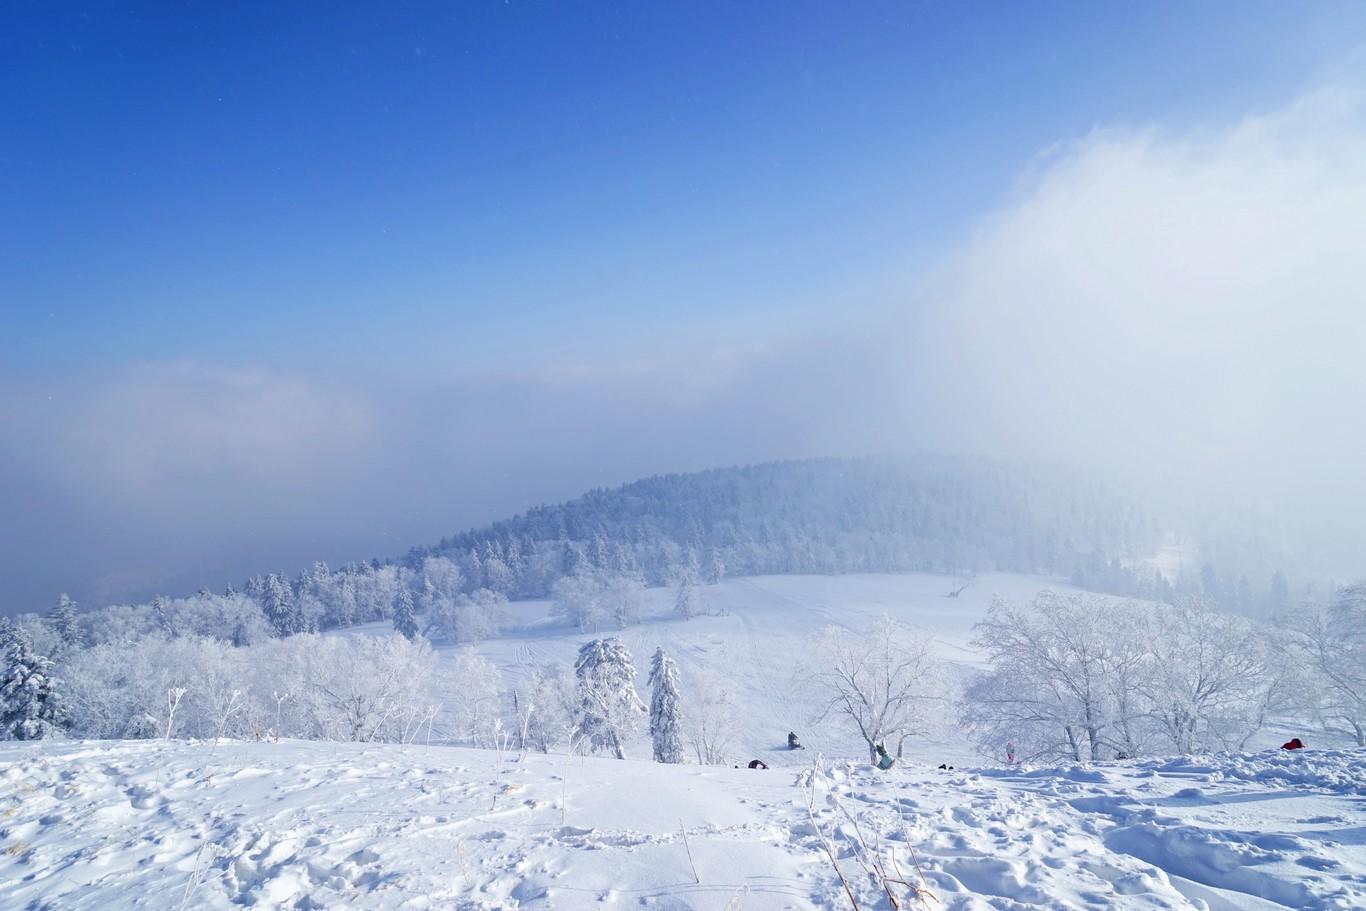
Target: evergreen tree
609,708
665,712
716,566
159,614
688,602
277,603
8,633
405,615
63,621
31,706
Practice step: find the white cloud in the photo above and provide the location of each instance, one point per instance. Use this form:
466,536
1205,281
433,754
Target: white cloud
158,426
1192,299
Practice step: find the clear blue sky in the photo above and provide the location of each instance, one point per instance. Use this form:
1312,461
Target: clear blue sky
417,187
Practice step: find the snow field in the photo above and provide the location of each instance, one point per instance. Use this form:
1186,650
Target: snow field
158,824
311,825
757,636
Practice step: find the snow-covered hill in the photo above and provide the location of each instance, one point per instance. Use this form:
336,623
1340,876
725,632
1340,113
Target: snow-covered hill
152,824
757,635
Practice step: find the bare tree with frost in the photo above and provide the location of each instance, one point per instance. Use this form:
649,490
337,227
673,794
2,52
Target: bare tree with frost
883,682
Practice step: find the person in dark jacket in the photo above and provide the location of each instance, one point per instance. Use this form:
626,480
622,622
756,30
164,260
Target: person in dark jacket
792,742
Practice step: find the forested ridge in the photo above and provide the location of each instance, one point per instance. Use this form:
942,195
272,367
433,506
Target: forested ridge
827,516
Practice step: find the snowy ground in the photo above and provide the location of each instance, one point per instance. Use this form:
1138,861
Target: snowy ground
315,825
318,825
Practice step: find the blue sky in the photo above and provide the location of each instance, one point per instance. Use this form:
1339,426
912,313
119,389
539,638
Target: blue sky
436,187
281,282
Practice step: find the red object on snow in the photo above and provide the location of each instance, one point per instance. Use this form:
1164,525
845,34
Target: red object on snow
1294,744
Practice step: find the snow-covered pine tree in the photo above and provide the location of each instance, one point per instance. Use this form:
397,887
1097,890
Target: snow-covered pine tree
665,712
609,708
277,603
160,614
62,619
31,706
716,567
688,601
405,615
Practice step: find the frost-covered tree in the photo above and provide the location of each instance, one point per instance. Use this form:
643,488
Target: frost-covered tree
159,615
665,711
591,598
713,719
471,688
1074,676
546,705
1216,676
1046,689
688,599
277,602
497,574
883,682
468,618
622,595
405,615
609,708
716,566
579,600
1333,644
360,688
64,622
31,703
119,623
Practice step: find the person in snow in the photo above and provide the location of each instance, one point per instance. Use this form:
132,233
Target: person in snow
792,742
884,761
1293,744
757,764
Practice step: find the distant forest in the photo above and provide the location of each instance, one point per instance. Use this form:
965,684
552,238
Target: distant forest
817,516
958,516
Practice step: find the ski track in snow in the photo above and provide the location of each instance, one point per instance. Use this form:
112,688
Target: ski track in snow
317,825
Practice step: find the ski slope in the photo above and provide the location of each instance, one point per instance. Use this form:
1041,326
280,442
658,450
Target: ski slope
757,636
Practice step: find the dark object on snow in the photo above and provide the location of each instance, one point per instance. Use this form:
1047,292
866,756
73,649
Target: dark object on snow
946,767
757,764
792,742
884,761
1293,744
